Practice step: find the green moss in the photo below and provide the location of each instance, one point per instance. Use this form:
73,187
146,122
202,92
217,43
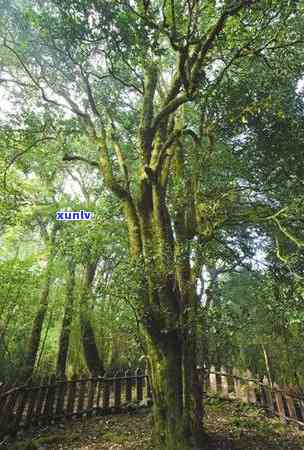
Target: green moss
115,438
24,445
47,440
214,404
251,423
56,438
244,422
44,441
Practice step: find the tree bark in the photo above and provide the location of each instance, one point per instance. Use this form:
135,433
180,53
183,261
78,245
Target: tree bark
177,394
35,337
170,322
64,338
93,360
167,307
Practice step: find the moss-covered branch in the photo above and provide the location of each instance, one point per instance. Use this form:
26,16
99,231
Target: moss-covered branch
146,134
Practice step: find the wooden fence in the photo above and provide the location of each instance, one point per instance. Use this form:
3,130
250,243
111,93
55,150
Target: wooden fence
54,400
273,398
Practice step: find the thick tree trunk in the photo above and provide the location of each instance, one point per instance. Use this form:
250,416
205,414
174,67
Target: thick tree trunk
93,360
177,396
66,322
169,319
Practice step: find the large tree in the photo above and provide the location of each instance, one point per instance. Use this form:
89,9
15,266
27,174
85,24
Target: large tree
129,85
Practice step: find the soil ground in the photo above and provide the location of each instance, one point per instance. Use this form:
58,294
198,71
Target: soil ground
230,426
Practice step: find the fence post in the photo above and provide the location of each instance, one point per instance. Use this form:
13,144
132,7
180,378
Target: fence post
237,383
117,391
267,393
92,390
7,411
244,388
149,391
98,397
301,404
212,380
2,389
82,388
139,385
50,398
290,406
41,394
205,379
230,381
251,387
72,390
20,409
106,394
128,384
224,383
62,390
279,400
258,391
3,398
33,402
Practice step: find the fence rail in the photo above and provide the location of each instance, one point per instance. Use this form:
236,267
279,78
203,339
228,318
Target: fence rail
53,400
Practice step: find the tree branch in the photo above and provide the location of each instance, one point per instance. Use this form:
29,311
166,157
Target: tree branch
20,154
203,48
146,134
69,157
32,78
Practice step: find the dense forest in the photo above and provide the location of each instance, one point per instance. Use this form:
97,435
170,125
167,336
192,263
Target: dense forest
152,195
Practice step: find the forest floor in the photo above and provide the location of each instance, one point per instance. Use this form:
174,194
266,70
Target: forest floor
230,426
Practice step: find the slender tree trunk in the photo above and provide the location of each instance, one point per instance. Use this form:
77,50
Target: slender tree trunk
93,360
204,356
267,364
35,337
42,345
67,322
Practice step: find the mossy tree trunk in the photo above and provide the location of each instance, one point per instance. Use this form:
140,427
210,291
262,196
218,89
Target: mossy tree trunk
160,244
36,332
91,353
93,360
35,337
64,338
177,395
168,312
